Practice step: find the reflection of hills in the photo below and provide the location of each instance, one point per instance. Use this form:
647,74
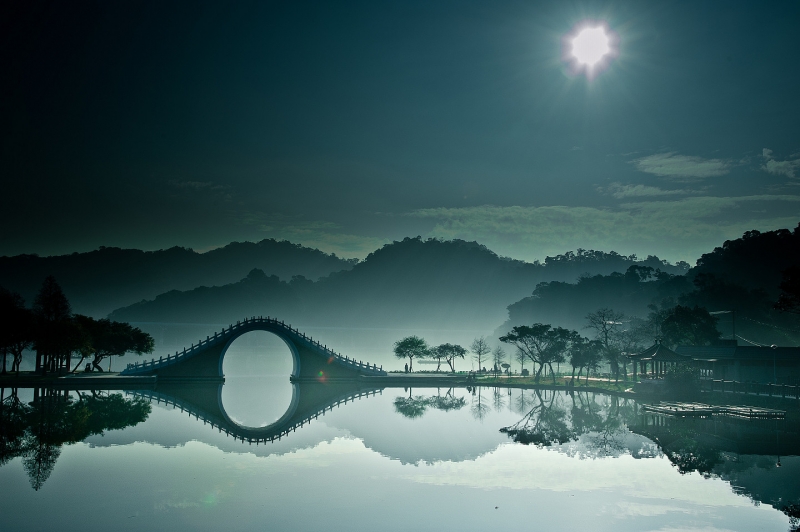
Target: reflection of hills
437,436
433,425
746,453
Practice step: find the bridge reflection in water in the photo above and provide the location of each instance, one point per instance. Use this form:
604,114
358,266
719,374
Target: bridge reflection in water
310,400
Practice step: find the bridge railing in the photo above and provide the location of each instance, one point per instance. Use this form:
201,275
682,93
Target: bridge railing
225,334
159,398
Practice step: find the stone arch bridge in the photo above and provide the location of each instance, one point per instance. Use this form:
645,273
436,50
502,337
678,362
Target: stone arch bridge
312,361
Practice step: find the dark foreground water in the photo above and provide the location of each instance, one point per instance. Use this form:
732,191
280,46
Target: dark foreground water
391,459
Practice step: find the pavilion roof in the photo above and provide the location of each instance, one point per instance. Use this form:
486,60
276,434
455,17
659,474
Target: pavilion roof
660,353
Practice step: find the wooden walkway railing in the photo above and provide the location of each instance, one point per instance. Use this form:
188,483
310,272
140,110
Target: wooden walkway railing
751,388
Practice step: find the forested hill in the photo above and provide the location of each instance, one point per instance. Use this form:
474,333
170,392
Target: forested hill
755,261
99,281
744,275
410,283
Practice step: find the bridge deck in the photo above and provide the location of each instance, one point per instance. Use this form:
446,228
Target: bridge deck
255,323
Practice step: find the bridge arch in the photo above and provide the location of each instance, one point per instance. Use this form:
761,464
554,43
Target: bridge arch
310,400
311,359
292,350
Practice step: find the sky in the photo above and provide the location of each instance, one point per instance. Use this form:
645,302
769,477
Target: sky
346,125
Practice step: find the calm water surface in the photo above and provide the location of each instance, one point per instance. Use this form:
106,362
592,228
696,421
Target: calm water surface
396,459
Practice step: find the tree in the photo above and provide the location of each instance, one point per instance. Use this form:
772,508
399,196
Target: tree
789,300
436,354
540,343
577,353
16,328
584,353
480,349
606,324
53,313
106,338
520,357
690,326
450,352
498,357
411,347
558,340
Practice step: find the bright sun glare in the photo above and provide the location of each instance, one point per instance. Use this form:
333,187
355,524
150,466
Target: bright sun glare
590,45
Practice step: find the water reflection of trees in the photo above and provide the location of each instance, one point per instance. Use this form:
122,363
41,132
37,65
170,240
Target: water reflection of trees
37,431
556,418
730,449
415,406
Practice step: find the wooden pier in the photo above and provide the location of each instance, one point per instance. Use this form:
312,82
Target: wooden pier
704,410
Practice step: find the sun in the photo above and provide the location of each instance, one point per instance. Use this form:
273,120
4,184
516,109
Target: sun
590,46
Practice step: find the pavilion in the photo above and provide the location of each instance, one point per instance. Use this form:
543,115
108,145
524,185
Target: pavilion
657,358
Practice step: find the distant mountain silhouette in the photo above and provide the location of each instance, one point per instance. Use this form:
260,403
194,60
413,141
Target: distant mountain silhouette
742,275
99,281
411,283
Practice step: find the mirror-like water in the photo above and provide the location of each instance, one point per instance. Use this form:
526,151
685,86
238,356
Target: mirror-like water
398,459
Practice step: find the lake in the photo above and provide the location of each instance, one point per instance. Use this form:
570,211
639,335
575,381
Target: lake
473,458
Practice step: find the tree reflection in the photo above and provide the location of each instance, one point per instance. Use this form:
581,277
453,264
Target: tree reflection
544,424
37,431
415,406
479,407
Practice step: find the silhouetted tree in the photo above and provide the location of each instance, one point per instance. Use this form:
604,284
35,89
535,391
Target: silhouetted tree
584,354
106,338
53,325
498,357
690,326
16,328
480,349
450,352
411,347
789,300
606,324
540,343
436,354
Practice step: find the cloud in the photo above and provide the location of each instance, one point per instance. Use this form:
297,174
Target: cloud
773,166
682,167
681,229
621,191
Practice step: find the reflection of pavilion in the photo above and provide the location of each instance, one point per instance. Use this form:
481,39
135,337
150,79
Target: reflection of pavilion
657,359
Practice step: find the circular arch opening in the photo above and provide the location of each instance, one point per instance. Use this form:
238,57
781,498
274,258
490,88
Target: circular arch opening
257,367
